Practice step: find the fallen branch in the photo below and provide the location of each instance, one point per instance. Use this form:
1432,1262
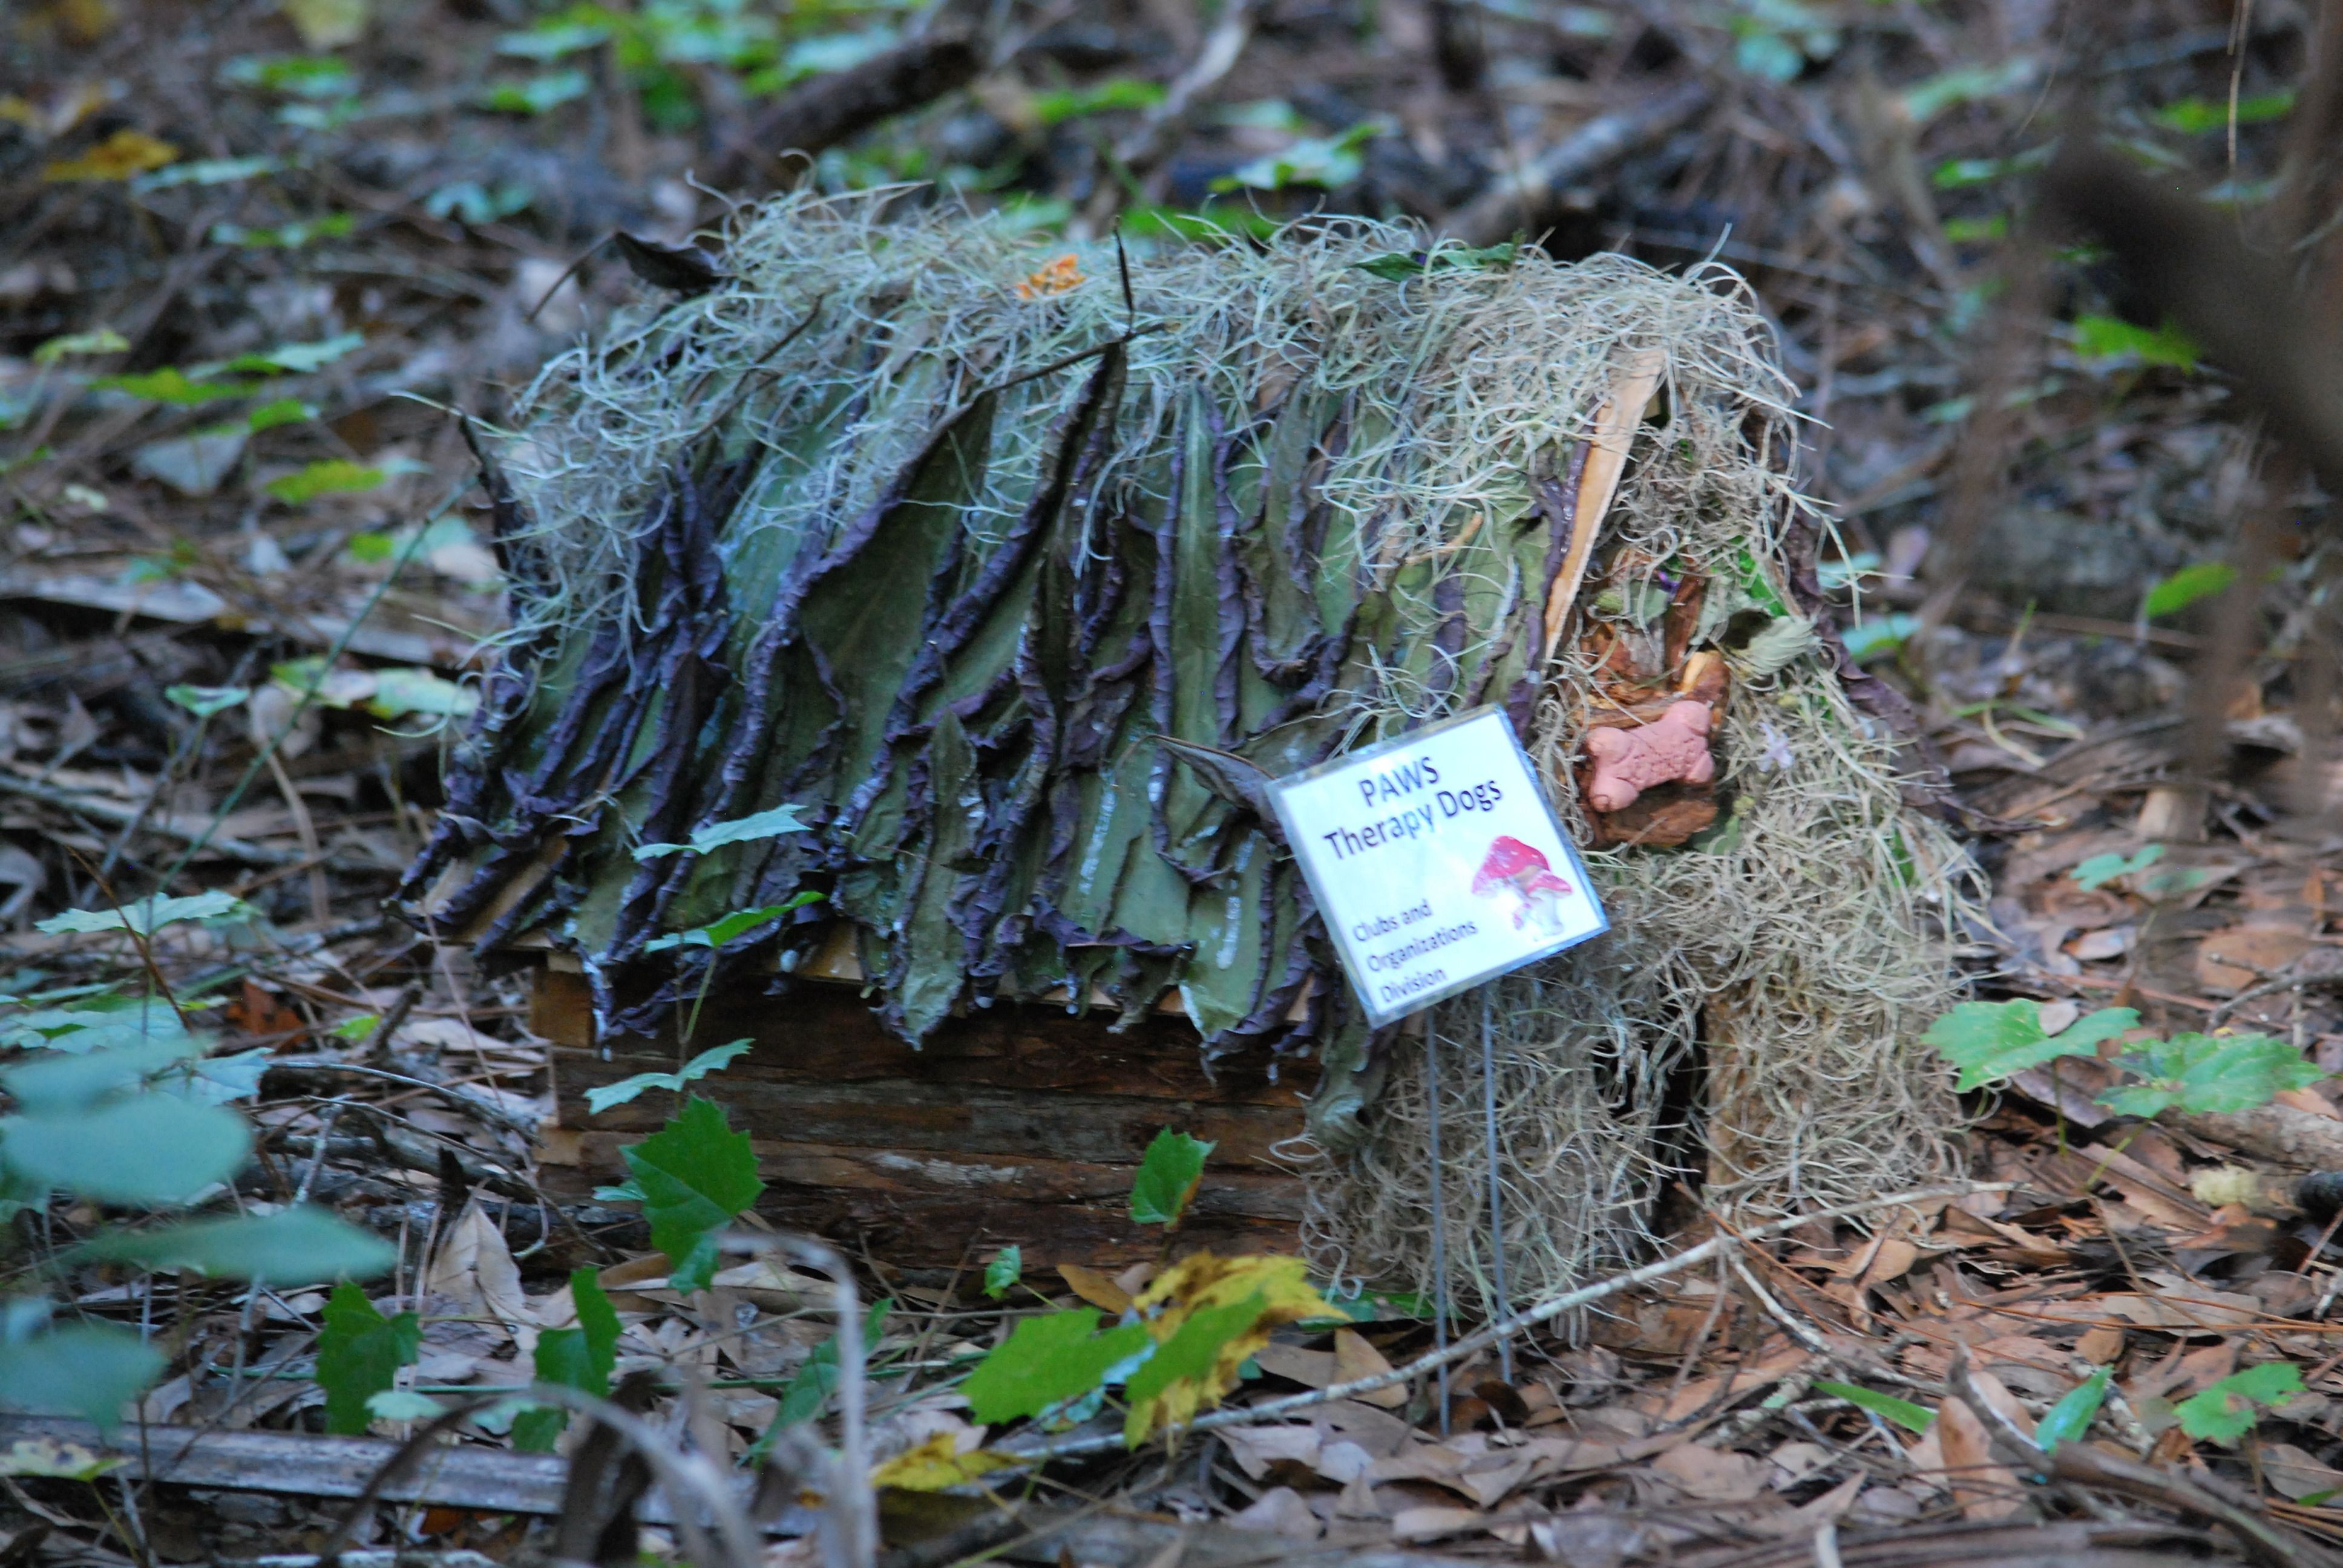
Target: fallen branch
843,105
119,816
1481,1339
1519,199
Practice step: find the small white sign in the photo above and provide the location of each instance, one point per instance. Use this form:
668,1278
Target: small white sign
1436,862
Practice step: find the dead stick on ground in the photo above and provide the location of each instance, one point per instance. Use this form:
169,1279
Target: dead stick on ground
1545,1312
1521,198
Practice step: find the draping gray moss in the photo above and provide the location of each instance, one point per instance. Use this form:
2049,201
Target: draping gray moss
919,529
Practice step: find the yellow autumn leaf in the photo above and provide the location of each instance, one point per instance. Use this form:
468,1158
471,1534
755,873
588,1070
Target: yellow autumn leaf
1227,1307
935,1465
122,155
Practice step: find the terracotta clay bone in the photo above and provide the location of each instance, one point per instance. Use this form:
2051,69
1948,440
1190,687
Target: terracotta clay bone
1629,761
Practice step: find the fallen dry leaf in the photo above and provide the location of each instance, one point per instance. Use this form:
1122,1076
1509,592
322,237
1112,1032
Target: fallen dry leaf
1356,1358
1984,1489
1281,1511
1713,1475
1096,1287
1411,1526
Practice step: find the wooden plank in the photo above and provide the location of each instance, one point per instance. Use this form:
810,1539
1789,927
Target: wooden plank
307,1464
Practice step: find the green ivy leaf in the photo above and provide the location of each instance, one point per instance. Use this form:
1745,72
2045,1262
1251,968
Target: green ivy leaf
1002,1275
2204,1073
1047,1361
358,1356
602,1099
1991,1041
2071,1417
1168,1175
149,1150
88,1369
1902,1412
2225,1412
695,1173
302,1246
147,915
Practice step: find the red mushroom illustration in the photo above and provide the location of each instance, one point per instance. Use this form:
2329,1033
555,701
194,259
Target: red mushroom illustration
1512,864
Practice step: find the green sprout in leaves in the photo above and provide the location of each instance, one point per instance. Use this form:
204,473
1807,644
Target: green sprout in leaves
694,1174
1902,1412
2101,869
1168,1175
2071,1417
2225,1412
601,1099
2186,586
330,477
2214,1074
1002,1275
359,1354
581,1358
1992,1040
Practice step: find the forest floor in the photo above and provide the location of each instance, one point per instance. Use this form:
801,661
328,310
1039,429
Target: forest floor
255,254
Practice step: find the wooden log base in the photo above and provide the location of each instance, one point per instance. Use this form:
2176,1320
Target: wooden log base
1014,1124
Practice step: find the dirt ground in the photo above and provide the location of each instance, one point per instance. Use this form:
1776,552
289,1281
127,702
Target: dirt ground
257,258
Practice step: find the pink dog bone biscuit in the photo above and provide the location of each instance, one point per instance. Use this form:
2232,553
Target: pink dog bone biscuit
1629,761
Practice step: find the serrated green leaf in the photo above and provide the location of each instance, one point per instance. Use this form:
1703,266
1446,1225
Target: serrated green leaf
2225,1412
203,701
816,1379
1046,1360
301,1246
359,1353
1168,1176
696,1174
2071,1417
1190,1357
581,1358
1902,1412
88,1369
150,1150
2218,1074
55,1081
1991,1041
327,477
602,1099
1002,1275
739,923
145,916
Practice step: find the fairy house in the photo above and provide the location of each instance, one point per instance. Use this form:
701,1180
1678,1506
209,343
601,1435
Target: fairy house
1012,569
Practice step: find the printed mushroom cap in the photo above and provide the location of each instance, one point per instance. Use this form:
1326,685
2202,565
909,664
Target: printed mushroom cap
1508,858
